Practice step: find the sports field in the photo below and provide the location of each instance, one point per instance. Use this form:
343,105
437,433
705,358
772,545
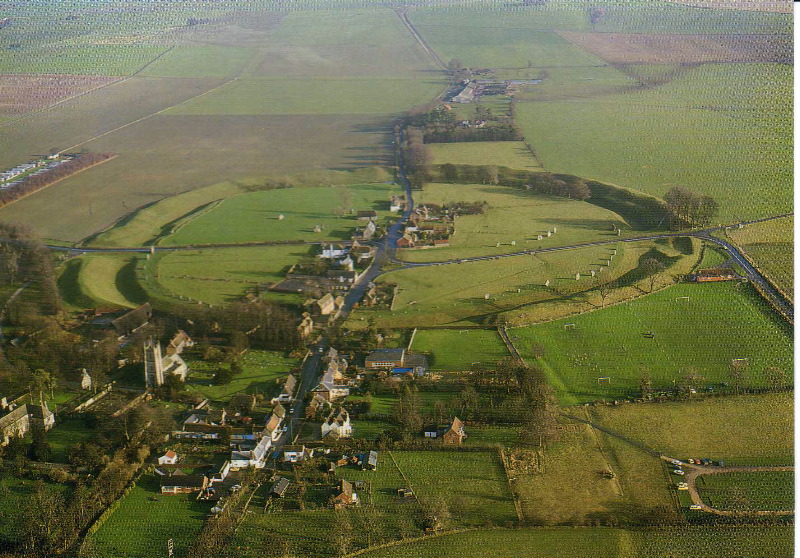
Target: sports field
511,154
514,216
459,349
743,430
615,343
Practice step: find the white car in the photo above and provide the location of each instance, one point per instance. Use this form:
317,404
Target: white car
683,486
695,507
678,472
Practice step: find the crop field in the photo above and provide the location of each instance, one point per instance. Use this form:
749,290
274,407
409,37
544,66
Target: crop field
22,93
256,217
217,276
741,430
516,287
771,245
454,349
648,139
611,343
145,519
511,154
263,373
748,491
514,216
473,485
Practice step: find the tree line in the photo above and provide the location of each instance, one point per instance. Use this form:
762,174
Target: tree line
37,182
539,182
689,209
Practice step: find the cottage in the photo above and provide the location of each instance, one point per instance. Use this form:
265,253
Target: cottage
178,343
306,325
287,393
455,434
273,427
337,425
367,215
345,496
715,274
406,242
86,380
333,253
169,458
329,389
256,457
325,306
296,453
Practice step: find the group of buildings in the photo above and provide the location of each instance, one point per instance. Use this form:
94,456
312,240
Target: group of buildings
16,420
427,227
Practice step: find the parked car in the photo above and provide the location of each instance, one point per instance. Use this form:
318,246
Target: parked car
683,486
675,462
695,507
678,472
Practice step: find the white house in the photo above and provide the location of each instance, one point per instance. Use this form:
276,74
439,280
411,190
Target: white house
169,458
337,425
256,457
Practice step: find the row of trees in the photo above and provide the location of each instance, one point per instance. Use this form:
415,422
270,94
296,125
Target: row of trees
686,208
39,181
565,186
416,157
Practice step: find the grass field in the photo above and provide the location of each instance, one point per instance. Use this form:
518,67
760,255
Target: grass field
106,279
771,245
514,216
15,496
747,430
223,275
748,491
649,139
264,372
452,349
145,519
472,484
254,217
515,287
67,434
732,321
511,154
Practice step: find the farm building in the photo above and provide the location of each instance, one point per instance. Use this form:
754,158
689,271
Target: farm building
716,274
176,482
169,458
398,361
367,215
133,320
451,434
371,462
280,487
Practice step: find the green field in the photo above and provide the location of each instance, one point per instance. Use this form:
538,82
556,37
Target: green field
473,485
263,373
649,139
511,154
731,320
514,216
145,519
746,430
254,217
748,491
452,349
14,496
105,279
224,274
771,245
67,434
712,542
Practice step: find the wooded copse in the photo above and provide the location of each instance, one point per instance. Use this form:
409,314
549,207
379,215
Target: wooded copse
687,208
36,182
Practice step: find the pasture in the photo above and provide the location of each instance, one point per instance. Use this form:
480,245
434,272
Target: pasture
514,215
748,491
732,321
145,519
648,138
263,373
472,485
741,430
16,493
511,154
771,245
256,216
459,349
105,279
